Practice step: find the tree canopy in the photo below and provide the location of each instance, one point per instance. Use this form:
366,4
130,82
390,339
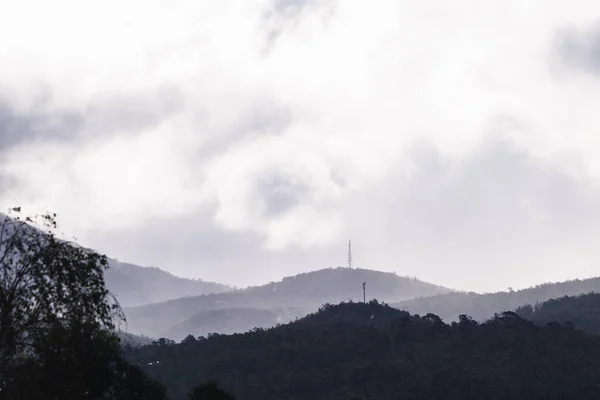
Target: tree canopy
58,320
372,351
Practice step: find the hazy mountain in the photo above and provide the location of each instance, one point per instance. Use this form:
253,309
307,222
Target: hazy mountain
134,285
131,284
449,306
291,297
228,321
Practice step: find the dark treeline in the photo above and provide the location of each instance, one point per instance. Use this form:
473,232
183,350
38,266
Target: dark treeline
372,351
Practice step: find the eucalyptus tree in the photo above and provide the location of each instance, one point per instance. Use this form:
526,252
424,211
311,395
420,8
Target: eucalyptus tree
46,284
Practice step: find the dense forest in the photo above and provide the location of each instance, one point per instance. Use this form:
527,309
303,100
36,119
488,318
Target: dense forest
373,351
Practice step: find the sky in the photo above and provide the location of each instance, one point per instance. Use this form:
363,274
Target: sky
242,141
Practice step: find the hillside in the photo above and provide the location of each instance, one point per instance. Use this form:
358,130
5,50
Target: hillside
481,306
372,351
134,285
580,312
296,296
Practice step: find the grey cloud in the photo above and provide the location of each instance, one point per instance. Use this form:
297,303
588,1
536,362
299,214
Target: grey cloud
285,13
264,118
127,112
132,112
499,217
291,7
6,183
195,246
17,127
580,49
280,193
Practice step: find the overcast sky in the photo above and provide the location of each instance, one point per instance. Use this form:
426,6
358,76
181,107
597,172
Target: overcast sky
245,140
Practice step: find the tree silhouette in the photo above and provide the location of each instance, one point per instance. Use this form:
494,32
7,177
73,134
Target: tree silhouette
57,320
209,391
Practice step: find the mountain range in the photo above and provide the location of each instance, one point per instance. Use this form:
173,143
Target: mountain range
449,306
267,305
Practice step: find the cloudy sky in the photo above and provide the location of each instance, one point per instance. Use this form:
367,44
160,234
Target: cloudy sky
246,140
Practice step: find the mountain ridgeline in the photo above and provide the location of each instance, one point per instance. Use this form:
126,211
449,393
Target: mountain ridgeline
133,285
270,304
449,306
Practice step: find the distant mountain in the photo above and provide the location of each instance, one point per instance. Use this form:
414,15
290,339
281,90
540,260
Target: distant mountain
133,285
449,306
289,298
579,312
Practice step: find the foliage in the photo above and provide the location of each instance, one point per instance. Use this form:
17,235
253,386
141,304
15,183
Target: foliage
44,280
80,361
57,320
372,351
210,391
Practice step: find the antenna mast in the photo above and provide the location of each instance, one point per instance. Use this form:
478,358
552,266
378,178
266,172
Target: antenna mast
364,293
350,254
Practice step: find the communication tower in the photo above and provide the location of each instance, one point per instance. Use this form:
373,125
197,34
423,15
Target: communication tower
350,254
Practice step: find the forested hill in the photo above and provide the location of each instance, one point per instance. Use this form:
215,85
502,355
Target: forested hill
372,351
481,306
581,312
287,299
134,285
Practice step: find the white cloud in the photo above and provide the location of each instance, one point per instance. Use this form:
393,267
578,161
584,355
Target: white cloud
192,106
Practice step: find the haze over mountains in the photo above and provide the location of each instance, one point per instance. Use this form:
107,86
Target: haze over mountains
134,285
273,303
159,304
449,306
